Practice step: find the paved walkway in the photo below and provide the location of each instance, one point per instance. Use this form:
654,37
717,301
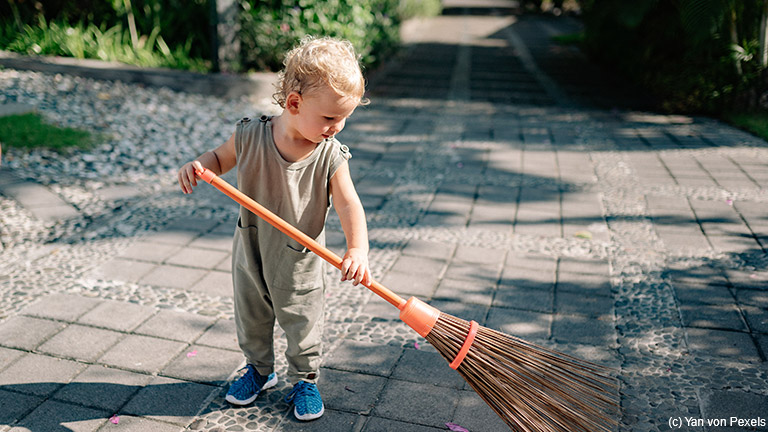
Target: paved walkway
505,180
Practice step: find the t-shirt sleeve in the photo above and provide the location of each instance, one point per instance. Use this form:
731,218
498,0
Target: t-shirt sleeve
339,155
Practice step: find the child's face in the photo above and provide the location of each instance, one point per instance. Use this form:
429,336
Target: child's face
322,114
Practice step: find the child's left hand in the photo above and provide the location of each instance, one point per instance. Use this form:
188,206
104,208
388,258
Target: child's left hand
354,267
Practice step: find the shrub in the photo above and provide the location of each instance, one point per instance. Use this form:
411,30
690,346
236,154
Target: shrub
271,28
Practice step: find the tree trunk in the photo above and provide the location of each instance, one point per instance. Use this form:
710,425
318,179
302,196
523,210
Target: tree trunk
225,44
764,36
735,39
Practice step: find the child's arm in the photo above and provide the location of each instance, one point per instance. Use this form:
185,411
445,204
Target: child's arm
354,265
221,160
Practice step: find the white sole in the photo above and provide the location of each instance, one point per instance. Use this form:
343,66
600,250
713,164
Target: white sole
308,417
269,384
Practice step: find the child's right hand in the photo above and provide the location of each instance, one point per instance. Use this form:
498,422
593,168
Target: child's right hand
187,176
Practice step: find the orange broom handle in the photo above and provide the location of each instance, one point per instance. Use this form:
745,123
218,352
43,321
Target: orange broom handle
292,232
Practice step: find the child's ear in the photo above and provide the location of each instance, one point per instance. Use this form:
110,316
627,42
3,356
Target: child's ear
293,102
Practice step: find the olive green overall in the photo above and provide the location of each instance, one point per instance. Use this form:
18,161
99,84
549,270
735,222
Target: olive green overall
274,276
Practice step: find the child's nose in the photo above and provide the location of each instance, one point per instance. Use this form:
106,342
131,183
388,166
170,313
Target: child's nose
337,127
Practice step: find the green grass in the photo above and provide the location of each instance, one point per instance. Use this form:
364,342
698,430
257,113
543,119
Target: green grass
569,39
30,131
93,42
756,122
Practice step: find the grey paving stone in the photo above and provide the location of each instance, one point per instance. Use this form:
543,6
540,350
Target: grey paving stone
80,343
465,291
15,108
149,251
118,192
411,284
54,212
521,297
170,400
126,270
734,244
682,243
175,237
583,304
473,272
418,266
226,264
128,423
418,403
585,284
26,332
364,357
63,307
60,416
180,326
378,424
523,324
540,271
729,404
710,343
427,367
31,195
173,276
349,391
8,356
380,310
116,315
142,353
330,421
752,279
215,284
223,334
752,297
696,275
486,256
102,387
580,329
16,406
757,318
204,365
474,414
199,258
695,294
219,241
463,310
429,249
719,316
38,375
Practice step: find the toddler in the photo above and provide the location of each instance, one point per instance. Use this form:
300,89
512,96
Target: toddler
293,165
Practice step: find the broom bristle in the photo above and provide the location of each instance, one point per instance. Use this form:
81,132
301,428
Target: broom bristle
532,388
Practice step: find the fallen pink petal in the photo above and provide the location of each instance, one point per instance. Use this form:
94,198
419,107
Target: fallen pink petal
114,419
416,345
192,353
456,428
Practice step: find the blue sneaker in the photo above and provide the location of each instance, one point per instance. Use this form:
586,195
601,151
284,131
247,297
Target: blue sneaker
247,387
308,405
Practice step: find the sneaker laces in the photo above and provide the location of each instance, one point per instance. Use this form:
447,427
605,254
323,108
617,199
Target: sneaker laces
303,391
249,381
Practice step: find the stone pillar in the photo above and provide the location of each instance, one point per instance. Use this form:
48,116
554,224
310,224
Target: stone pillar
225,44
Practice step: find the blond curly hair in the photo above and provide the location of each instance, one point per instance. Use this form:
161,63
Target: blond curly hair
318,62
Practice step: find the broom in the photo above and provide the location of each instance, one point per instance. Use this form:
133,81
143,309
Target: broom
532,388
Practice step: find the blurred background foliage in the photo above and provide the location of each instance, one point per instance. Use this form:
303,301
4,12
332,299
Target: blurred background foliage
698,56
177,33
694,56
